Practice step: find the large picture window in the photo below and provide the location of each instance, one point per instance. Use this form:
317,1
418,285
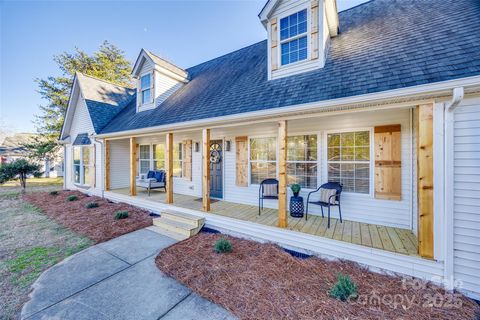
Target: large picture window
293,37
82,165
348,160
302,161
177,160
263,159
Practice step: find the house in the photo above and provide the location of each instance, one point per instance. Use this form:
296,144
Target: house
383,97
13,148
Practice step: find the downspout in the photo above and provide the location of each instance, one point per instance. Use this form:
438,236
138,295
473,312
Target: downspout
64,167
458,94
102,183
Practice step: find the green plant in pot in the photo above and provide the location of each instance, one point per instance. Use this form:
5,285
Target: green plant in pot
295,189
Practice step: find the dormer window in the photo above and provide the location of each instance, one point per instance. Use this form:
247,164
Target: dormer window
145,88
293,37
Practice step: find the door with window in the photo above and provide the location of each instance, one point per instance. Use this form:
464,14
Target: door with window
216,169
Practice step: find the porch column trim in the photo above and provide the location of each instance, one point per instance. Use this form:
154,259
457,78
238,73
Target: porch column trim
425,180
169,167
133,166
282,174
206,170
107,165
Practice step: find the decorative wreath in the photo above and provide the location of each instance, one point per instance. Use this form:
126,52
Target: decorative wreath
215,156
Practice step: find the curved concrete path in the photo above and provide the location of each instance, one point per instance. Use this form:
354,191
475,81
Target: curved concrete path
117,279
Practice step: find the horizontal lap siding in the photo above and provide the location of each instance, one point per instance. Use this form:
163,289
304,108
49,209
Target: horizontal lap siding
119,163
467,197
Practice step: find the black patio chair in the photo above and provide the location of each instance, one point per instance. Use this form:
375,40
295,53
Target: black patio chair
329,185
262,195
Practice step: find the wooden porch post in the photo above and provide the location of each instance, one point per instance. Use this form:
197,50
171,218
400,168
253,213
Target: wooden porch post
206,170
282,174
169,166
106,171
425,179
133,166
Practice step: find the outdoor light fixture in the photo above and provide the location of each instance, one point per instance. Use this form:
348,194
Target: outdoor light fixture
197,147
228,145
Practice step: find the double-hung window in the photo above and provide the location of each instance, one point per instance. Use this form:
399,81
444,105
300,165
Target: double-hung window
348,160
145,86
293,37
144,159
177,160
82,165
263,159
302,161
159,156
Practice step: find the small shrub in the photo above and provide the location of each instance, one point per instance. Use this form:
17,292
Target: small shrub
344,288
53,193
72,198
222,246
91,205
121,215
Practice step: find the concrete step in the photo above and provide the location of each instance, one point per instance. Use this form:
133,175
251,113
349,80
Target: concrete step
186,229
183,217
167,233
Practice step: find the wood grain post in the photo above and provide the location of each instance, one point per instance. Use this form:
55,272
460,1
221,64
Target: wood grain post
282,174
425,179
169,166
106,173
133,166
206,170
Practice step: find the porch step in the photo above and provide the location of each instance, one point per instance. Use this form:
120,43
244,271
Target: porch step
183,225
183,217
174,235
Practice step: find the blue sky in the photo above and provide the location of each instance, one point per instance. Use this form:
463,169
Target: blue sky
184,32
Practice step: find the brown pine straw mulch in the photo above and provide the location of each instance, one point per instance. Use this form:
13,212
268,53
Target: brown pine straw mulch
98,223
262,281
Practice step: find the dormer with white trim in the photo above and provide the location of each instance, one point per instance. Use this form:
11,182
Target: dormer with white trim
298,34
157,79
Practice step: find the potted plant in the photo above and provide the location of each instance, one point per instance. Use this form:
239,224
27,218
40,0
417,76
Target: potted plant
295,189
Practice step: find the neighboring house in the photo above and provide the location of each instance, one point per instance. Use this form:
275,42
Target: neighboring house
383,97
12,148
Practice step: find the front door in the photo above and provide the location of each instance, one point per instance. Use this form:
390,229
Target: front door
216,169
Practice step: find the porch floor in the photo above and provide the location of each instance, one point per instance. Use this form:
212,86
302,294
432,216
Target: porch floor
376,236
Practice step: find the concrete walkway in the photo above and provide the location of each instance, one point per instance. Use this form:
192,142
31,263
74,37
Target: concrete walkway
117,279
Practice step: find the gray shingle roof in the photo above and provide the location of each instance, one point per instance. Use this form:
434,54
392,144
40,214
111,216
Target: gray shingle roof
82,139
382,45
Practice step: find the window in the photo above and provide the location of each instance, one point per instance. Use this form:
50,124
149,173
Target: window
158,157
177,160
263,159
82,165
145,88
144,159
293,37
348,160
302,161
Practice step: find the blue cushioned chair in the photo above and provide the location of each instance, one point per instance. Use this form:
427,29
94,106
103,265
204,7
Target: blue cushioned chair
154,179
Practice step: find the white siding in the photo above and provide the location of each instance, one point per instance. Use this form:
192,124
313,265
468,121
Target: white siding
119,163
467,197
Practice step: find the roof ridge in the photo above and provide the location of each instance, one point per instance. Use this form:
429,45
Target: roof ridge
103,80
226,54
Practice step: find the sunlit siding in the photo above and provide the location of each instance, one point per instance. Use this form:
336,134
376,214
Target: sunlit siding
119,163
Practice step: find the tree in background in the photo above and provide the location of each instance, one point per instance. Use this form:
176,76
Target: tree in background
108,63
19,169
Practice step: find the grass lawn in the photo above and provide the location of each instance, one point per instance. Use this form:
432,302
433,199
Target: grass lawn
30,242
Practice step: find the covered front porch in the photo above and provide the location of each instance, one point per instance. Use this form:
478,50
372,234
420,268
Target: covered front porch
391,239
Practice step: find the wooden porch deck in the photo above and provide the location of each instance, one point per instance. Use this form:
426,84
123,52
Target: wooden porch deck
370,235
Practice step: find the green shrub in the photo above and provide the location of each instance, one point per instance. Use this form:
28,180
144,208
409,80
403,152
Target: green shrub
53,193
91,205
72,198
344,288
121,215
222,246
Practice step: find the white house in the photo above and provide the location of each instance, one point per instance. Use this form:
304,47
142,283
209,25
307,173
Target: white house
383,98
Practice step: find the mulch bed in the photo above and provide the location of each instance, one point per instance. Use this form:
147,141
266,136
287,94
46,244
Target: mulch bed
98,223
262,281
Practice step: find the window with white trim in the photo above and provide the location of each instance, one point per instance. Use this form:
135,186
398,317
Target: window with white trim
302,161
293,37
177,160
263,159
144,159
159,157
348,160
145,85
82,165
